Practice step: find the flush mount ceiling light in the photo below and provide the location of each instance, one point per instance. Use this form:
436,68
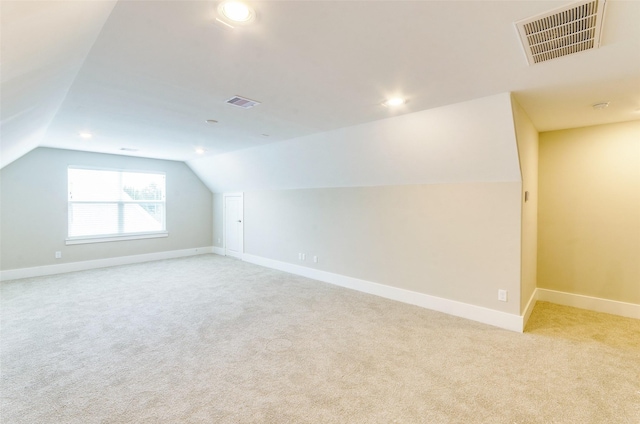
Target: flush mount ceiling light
600,106
85,135
236,12
395,101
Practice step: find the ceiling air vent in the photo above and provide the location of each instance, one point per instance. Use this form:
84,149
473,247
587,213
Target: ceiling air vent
561,32
242,102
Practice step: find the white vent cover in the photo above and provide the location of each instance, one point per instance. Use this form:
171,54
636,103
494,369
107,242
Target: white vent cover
242,102
570,29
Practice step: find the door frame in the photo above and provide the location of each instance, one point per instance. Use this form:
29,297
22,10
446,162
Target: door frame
224,222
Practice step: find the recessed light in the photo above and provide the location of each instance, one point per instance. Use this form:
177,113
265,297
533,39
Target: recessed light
237,12
200,151
600,106
395,101
85,135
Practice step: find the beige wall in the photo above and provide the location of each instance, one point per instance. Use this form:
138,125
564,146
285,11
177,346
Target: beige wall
589,211
33,209
527,139
428,201
456,241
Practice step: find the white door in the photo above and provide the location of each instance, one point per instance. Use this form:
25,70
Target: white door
233,225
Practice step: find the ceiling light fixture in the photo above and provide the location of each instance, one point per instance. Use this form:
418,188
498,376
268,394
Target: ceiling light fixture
85,135
236,12
396,101
600,106
200,151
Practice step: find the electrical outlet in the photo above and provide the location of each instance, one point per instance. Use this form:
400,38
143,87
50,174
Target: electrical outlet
58,254
304,256
218,240
315,259
502,295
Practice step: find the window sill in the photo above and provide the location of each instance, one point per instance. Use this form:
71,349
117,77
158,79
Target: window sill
109,238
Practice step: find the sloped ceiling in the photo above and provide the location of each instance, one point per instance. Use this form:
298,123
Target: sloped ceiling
471,141
44,44
146,75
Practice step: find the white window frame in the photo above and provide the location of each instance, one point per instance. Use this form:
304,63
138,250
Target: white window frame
115,237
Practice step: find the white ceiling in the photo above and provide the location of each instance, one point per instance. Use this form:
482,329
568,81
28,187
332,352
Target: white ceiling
147,74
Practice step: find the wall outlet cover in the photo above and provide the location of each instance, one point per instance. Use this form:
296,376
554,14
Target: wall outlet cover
502,295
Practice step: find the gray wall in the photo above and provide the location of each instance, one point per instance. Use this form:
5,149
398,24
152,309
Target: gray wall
33,209
218,221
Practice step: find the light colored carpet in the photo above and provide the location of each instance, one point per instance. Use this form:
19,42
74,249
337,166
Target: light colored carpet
210,339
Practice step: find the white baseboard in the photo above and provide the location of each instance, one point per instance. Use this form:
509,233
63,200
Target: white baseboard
218,250
464,310
629,310
14,274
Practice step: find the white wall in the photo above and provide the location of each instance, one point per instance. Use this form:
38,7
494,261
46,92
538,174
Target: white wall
33,213
429,202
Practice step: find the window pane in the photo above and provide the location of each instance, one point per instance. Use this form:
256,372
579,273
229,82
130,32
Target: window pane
92,185
143,217
110,202
139,186
88,219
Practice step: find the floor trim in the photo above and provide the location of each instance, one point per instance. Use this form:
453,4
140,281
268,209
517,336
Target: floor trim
218,250
597,304
464,310
14,274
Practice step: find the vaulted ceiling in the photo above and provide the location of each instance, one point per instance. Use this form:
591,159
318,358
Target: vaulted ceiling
146,75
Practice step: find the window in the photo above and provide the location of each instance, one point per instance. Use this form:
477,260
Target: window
108,205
